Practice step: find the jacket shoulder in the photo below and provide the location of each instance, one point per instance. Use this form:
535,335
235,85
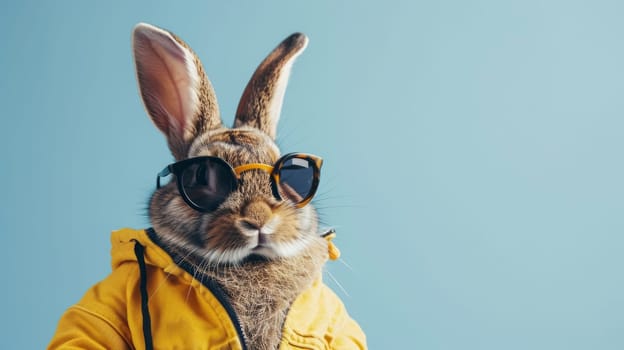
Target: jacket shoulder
318,319
99,319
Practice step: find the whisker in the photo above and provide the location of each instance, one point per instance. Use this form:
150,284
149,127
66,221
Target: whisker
206,269
345,263
159,285
169,273
195,271
188,291
327,196
323,222
285,135
340,206
338,283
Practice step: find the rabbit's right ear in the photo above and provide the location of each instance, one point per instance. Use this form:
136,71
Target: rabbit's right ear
175,90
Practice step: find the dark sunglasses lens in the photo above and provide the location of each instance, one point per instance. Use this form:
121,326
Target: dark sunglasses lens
296,179
208,183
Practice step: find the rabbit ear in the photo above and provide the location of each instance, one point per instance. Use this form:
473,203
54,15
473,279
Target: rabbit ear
175,90
261,103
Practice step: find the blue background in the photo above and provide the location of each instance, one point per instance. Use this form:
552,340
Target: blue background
473,157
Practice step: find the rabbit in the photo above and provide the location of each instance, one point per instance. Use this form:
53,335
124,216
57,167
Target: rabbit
253,238
182,104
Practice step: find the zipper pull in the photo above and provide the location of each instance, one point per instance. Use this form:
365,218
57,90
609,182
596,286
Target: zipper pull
334,252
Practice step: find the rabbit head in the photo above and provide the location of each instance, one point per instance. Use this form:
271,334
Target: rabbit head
181,102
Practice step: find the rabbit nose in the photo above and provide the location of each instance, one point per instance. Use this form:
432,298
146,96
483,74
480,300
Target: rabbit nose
257,213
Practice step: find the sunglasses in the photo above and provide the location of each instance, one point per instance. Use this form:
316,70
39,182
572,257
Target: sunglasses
205,182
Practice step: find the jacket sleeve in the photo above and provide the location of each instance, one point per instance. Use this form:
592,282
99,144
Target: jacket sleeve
82,329
99,320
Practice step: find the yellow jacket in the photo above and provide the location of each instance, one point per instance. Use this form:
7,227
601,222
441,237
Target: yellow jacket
184,313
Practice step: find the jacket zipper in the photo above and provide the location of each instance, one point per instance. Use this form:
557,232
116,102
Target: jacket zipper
212,286
218,292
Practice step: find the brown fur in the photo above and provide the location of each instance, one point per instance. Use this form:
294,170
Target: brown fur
219,243
261,292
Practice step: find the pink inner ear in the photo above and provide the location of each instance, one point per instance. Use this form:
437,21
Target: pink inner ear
168,79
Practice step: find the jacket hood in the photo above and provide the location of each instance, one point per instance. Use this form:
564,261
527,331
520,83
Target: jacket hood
122,251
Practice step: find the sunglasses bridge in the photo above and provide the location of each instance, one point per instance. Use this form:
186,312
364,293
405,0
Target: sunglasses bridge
251,166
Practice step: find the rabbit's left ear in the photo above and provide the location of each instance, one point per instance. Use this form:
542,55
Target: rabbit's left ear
262,99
